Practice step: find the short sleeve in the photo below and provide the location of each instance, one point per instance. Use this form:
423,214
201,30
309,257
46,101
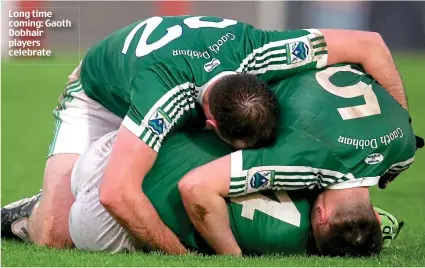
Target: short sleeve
156,108
275,55
293,163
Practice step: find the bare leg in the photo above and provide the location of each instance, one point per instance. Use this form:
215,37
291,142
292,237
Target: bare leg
48,224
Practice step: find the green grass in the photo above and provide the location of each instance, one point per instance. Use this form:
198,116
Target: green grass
29,94
14,254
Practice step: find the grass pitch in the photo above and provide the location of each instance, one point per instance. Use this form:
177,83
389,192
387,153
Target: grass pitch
29,94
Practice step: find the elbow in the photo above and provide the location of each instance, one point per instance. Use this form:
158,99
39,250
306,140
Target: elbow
189,187
106,198
375,38
378,37
110,198
374,42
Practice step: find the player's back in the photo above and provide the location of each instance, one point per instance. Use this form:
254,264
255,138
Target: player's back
349,114
260,223
273,222
177,56
154,72
175,49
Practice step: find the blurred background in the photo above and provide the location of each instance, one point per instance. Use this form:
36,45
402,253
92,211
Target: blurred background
30,88
401,23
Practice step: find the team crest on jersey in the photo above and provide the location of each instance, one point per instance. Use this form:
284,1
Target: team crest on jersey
261,179
159,122
298,52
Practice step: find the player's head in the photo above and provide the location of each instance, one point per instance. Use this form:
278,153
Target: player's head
243,111
345,224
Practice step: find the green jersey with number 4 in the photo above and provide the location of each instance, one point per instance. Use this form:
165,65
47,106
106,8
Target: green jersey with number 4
270,222
339,129
152,72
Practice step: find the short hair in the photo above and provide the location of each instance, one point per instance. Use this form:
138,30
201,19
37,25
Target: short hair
245,109
353,232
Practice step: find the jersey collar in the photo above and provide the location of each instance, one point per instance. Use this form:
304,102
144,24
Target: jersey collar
201,90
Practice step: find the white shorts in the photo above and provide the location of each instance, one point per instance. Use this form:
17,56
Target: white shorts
80,120
90,225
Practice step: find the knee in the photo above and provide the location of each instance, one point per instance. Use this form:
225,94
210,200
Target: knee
56,244
46,231
51,238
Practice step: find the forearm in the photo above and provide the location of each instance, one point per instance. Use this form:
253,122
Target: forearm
209,215
382,67
369,50
120,193
138,216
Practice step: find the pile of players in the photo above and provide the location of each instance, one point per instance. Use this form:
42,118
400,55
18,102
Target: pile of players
268,144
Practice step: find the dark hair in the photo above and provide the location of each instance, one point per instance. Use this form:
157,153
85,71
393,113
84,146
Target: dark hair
354,232
245,109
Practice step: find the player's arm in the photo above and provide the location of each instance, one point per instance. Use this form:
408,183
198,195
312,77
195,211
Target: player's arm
203,190
275,55
369,50
121,194
243,172
133,155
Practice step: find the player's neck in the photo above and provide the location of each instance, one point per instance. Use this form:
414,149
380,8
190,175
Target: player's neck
203,90
336,198
205,103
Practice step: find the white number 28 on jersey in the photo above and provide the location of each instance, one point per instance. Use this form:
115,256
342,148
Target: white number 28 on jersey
285,210
173,32
371,106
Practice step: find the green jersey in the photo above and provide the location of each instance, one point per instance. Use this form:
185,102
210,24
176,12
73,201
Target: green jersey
270,222
339,129
153,72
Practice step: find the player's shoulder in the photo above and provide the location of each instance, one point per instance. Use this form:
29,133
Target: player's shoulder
298,146
296,153
202,24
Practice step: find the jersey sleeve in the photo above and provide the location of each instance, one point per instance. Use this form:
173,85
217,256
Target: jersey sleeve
292,164
275,55
156,108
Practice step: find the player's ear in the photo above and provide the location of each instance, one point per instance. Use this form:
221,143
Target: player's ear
377,216
320,210
323,218
211,124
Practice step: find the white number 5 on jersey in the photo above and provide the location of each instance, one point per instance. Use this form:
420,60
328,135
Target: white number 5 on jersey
285,210
371,106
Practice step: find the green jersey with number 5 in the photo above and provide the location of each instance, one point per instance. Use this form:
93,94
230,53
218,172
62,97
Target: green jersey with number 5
339,129
152,72
270,222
